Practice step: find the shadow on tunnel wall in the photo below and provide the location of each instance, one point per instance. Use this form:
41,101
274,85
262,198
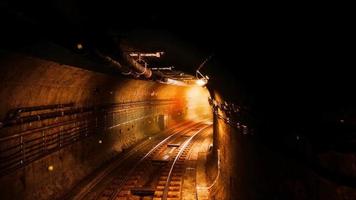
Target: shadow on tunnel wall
311,161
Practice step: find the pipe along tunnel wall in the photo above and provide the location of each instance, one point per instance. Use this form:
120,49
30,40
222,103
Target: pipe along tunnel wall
59,123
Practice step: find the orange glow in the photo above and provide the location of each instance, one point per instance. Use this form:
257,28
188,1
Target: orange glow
197,103
50,168
175,82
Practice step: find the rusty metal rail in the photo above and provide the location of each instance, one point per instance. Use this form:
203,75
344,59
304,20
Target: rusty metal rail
176,170
25,147
120,186
68,110
81,192
117,184
140,173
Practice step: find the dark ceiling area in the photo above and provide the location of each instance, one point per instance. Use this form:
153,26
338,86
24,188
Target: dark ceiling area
289,67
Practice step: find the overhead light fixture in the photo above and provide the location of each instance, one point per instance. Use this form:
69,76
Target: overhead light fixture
201,79
174,82
201,82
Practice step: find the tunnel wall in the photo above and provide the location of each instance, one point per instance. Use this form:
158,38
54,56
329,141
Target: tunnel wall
60,123
251,169
221,167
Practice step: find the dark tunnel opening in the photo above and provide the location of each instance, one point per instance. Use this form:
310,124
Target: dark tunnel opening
143,101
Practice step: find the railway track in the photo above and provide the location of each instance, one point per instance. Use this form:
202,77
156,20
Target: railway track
171,178
141,170
87,190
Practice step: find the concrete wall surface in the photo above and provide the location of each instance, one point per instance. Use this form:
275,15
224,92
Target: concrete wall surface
59,123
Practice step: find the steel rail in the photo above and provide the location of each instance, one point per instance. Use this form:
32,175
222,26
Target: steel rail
116,192
186,143
82,192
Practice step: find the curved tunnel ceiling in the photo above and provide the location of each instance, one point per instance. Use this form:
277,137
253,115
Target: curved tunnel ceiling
286,67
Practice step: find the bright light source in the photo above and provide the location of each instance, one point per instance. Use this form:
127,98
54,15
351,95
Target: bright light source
198,104
79,46
201,82
50,168
174,82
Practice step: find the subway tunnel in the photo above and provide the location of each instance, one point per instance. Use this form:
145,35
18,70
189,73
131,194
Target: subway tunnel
157,100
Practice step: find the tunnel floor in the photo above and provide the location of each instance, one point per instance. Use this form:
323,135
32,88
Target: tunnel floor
170,165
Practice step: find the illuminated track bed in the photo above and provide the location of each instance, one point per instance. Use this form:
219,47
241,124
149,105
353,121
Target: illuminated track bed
143,166
171,178
161,177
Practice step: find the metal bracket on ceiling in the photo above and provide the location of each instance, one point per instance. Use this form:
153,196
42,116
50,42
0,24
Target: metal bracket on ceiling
198,74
